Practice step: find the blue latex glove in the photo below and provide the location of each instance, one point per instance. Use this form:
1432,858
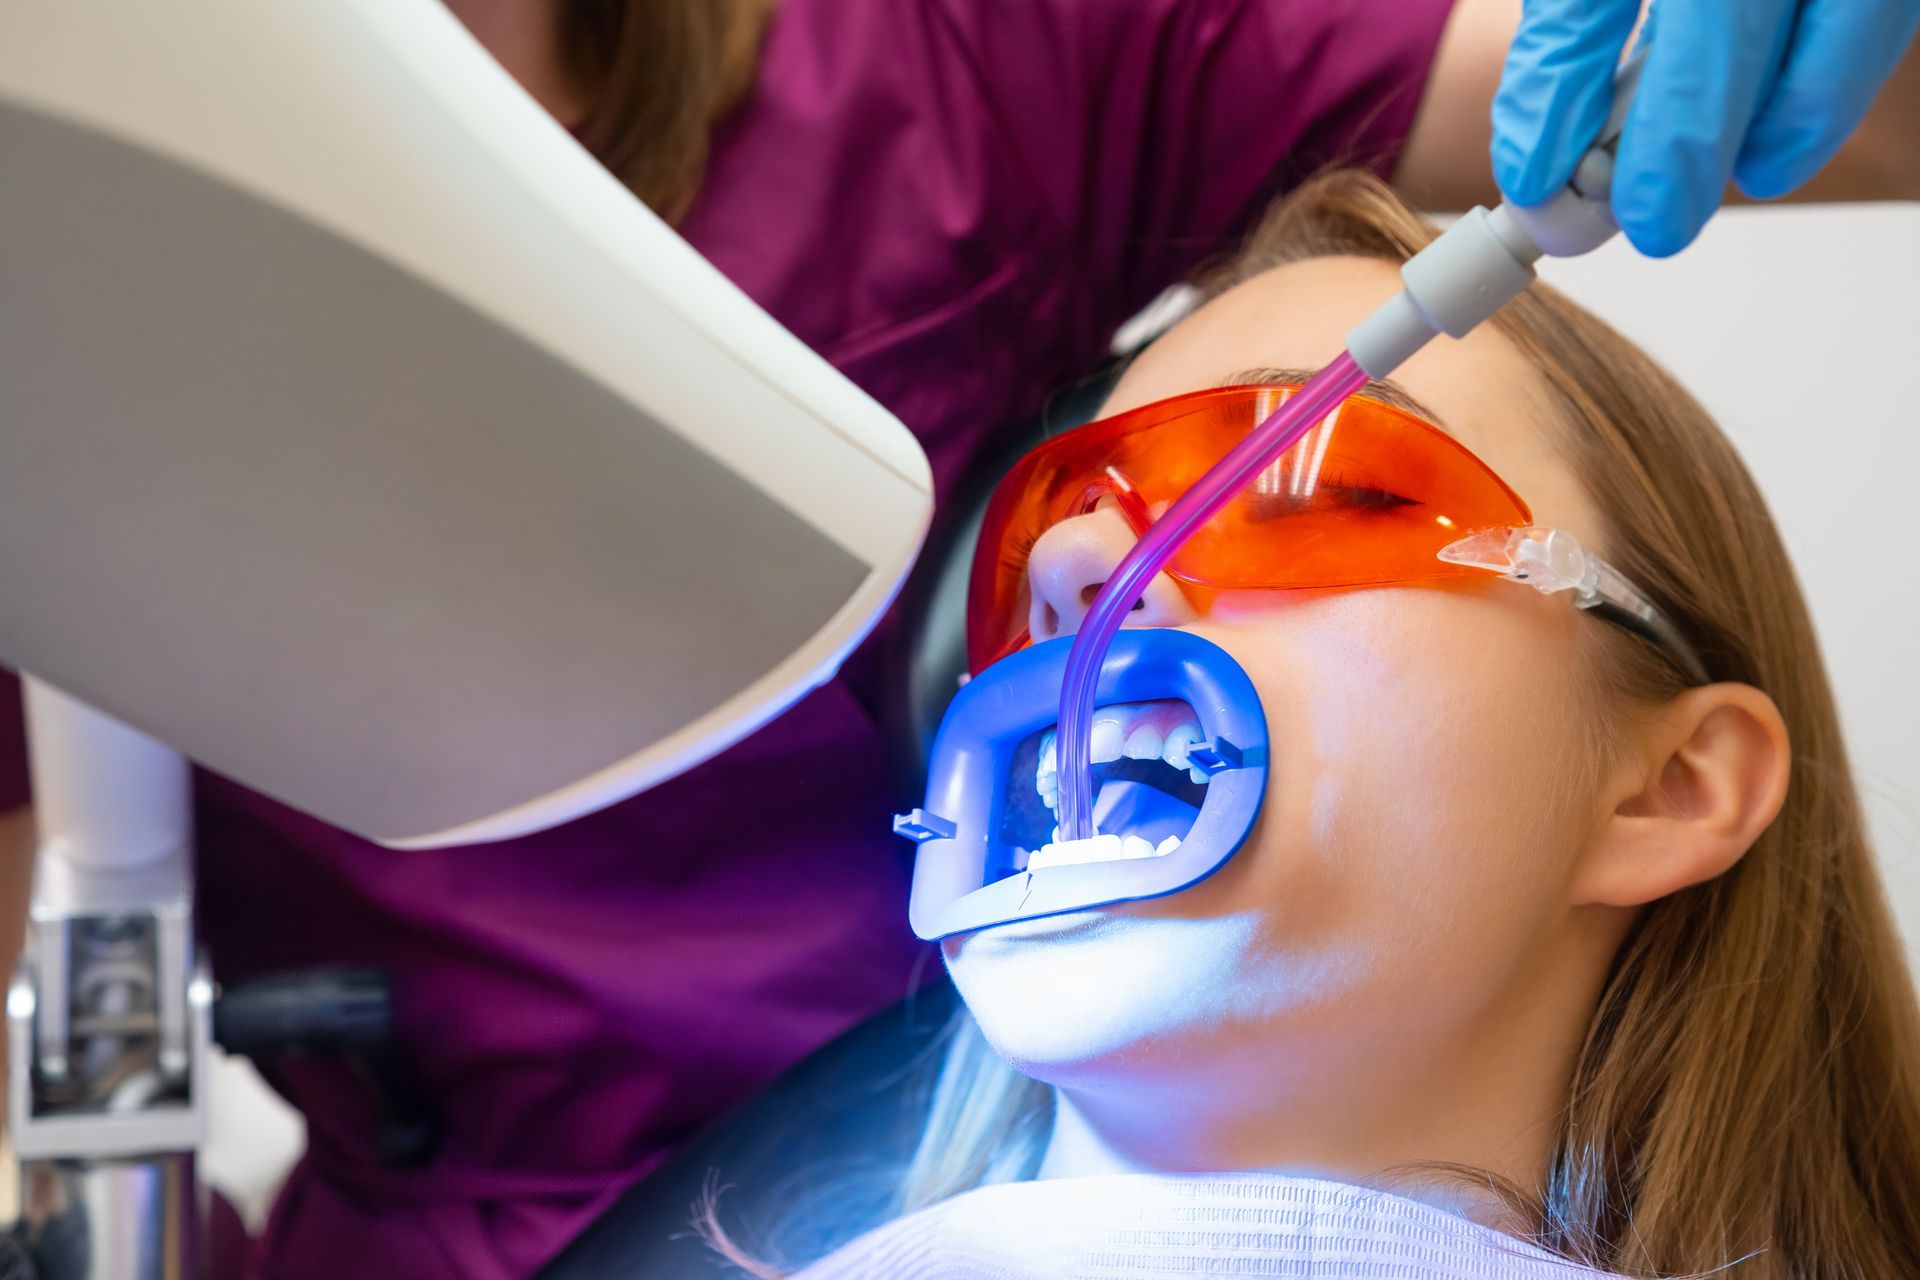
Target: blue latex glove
1762,91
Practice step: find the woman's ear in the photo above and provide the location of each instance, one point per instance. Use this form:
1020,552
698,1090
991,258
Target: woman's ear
1699,780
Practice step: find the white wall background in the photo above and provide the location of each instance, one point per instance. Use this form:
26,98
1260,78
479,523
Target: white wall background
1799,328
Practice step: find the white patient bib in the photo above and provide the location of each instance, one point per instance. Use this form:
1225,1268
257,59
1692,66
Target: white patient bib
1139,1226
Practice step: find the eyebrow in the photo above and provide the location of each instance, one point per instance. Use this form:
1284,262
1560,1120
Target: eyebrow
1385,390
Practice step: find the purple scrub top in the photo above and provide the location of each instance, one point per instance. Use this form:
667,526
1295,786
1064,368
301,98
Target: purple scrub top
956,202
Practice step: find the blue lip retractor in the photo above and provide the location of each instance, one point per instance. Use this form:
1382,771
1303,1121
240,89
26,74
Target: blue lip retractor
969,874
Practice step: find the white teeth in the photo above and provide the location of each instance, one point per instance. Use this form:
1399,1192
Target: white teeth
1046,776
1178,743
1068,853
1110,743
1057,853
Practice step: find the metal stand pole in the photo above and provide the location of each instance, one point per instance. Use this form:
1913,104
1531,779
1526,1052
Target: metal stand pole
128,1219
109,1013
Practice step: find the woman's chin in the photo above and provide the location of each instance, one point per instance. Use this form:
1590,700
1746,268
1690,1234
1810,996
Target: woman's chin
1093,990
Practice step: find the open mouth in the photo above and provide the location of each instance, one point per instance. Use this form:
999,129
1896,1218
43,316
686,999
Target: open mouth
1147,792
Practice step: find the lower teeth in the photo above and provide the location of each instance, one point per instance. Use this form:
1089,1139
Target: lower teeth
1063,853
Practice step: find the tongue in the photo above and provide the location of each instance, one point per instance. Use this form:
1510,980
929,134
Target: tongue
1126,808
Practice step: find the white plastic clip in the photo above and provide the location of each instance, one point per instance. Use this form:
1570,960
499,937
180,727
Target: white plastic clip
1547,560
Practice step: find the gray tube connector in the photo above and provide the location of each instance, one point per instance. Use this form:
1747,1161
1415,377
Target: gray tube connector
1450,286
1478,265
1485,259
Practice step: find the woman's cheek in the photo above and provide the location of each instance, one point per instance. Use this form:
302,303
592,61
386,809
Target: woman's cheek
1403,752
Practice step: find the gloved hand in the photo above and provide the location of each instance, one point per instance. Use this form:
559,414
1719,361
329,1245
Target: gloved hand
1764,91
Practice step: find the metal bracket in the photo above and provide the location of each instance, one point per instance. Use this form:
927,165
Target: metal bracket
41,1129
920,826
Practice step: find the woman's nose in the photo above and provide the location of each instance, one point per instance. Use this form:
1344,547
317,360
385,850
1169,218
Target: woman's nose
1072,561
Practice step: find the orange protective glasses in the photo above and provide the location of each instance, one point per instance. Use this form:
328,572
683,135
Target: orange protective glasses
1369,496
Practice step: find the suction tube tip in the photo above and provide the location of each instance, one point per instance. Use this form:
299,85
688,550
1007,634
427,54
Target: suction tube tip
1386,339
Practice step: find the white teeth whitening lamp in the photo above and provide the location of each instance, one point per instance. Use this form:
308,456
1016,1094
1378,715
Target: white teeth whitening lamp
365,441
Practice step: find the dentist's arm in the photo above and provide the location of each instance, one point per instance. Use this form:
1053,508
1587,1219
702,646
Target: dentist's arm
1776,96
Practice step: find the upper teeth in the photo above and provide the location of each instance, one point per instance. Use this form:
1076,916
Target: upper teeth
1111,742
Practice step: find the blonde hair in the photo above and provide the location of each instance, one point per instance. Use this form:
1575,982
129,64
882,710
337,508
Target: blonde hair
663,74
1749,1088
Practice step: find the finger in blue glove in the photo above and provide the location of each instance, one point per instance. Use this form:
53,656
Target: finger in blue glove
1840,56
1704,80
1555,92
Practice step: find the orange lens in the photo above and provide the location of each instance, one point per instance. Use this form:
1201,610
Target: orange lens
1368,496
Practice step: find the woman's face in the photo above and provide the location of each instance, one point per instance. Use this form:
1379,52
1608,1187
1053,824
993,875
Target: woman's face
1406,892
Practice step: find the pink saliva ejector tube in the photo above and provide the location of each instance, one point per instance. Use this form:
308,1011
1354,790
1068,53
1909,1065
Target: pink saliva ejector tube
1262,447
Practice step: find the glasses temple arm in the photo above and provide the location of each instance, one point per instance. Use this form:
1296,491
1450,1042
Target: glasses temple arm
1551,560
1608,594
